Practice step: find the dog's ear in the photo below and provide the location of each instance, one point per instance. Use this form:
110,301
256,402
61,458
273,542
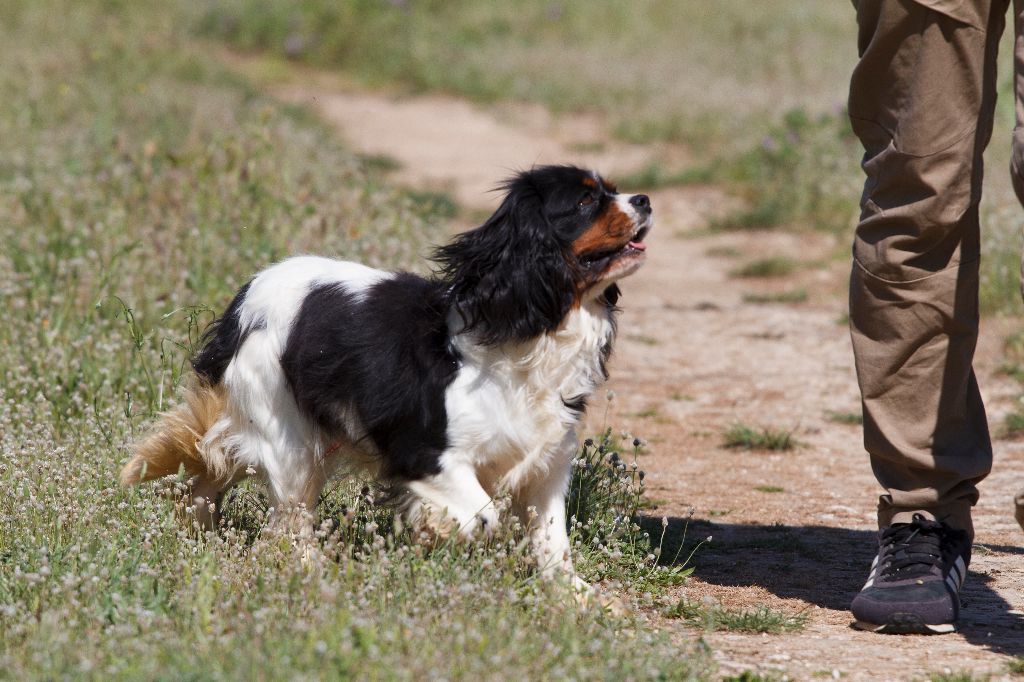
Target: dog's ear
509,278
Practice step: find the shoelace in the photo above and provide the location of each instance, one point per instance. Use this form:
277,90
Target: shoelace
915,548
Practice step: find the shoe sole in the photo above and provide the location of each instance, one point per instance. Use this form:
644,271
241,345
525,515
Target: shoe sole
907,624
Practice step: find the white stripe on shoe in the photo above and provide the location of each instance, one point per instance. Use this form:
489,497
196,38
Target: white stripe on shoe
873,574
952,584
957,574
961,567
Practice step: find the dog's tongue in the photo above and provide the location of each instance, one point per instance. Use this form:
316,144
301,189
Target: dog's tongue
639,246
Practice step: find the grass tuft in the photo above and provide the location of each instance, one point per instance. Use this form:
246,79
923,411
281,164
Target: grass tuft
999,288
1013,424
380,163
1013,367
958,676
774,266
606,495
754,438
656,176
712,616
794,296
851,418
724,252
753,676
801,174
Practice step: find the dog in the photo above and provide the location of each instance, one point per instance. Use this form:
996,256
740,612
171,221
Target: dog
453,389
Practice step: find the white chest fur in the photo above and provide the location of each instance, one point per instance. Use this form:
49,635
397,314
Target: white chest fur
507,412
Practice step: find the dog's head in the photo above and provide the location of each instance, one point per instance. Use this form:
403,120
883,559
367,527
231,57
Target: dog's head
562,235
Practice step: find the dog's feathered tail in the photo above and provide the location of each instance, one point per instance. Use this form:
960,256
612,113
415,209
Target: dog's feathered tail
175,443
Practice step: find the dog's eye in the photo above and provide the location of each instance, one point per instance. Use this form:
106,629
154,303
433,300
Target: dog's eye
587,200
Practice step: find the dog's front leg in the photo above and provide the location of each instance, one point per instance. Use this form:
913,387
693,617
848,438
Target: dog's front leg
453,500
540,503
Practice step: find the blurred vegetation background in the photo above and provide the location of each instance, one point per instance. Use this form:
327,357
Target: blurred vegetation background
757,91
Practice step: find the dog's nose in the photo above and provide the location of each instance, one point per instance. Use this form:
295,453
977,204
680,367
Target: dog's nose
641,202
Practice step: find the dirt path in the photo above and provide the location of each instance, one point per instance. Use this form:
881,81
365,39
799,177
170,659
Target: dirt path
792,530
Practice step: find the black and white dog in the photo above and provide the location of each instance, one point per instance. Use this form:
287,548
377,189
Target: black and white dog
452,389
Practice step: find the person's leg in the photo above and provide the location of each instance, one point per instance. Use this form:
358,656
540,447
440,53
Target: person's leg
921,100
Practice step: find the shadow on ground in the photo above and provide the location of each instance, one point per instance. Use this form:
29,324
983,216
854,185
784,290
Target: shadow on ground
825,566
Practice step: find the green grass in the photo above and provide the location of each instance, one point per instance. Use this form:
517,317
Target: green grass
666,70
380,163
1013,367
142,185
436,204
758,438
769,489
1015,666
802,174
1013,370
766,122
999,286
958,676
851,418
605,498
1013,424
772,266
656,175
645,413
724,252
751,676
712,616
792,296
642,338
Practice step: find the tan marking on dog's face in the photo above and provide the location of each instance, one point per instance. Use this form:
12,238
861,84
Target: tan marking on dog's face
611,230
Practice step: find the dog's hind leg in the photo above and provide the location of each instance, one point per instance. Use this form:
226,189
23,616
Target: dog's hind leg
205,493
269,433
190,439
294,493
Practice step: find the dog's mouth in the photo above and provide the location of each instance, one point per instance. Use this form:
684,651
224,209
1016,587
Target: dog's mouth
634,248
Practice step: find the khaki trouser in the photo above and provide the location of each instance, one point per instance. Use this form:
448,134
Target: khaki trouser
921,101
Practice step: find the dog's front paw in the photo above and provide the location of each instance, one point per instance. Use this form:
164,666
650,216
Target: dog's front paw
483,525
435,524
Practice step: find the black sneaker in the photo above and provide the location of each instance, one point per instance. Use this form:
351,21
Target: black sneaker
915,580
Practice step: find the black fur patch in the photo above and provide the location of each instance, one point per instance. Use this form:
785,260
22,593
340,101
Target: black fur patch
221,341
385,354
515,277
611,296
577,404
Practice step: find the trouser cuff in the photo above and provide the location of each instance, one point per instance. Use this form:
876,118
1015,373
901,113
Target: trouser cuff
954,515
